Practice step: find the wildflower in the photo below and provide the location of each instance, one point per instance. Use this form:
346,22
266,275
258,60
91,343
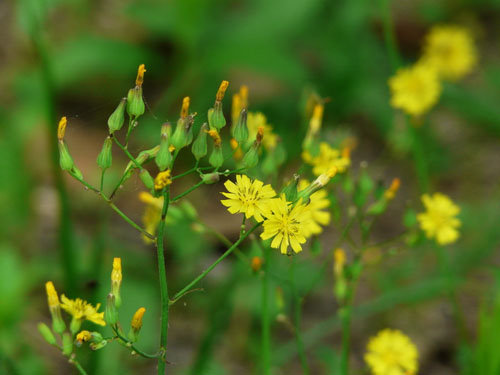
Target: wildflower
251,158
391,352
152,214
162,180
216,158
83,336
318,201
140,75
255,120
450,50
415,90
61,128
439,221
249,197
54,307
286,224
136,324
215,116
185,107
82,310
116,279
327,158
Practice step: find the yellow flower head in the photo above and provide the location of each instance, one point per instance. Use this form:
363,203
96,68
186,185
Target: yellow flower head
258,120
249,197
185,107
61,128
221,91
439,221
391,352
450,50
136,322
318,202
327,158
52,297
152,213
162,180
214,134
116,274
287,224
416,89
83,336
82,310
140,75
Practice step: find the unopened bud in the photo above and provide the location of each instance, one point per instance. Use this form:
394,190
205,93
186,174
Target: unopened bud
115,121
65,159
164,157
140,75
58,324
83,336
210,178
199,148
116,280
183,134
111,313
216,158
216,119
256,264
391,192
136,324
135,103
47,333
105,158
339,262
221,91
251,158
162,180
67,344
61,128
185,107
146,179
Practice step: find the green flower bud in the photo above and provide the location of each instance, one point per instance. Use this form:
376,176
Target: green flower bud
47,333
136,324
146,179
105,158
216,117
67,344
199,147
290,190
115,121
111,313
164,157
239,131
75,326
135,103
210,178
251,158
98,345
216,158
65,159
183,134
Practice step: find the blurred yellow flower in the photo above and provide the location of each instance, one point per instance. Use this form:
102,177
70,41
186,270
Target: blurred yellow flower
415,89
152,213
248,197
83,336
255,120
450,50
391,352
162,180
287,223
318,202
439,221
327,158
82,310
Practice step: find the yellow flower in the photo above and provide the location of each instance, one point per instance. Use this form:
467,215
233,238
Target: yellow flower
52,297
287,223
246,196
327,158
339,258
318,201
255,120
152,213
162,180
221,91
391,352
415,90
83,336
450,50
61,128
185,107
136,322
116,279
439,221
140,75
82,310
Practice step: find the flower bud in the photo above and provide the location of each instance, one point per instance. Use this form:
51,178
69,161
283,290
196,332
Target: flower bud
55,308
251,158
290,190
105,157
162,180
256,264
199,147
164,157
185,107
183,134
115,121
135,103
61,128
111,313
83,336
47,333
216,158
210,178
65,159
136,324
140,75
67,344
216,119
116,280
78,174
240,130
390,193
235,146
146,179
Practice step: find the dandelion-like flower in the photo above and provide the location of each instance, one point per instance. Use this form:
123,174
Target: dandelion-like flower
256,120
82,310
450,50
249,197
415,89
286,224
439,221
391,352
327,158
318,202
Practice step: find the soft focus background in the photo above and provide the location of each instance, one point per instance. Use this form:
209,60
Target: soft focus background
79,57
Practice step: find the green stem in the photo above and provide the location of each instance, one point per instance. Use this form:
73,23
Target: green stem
78,367
129,155
186,289
102,179
192,188
297,314
129,344
265,321
162,274
421,165
389,35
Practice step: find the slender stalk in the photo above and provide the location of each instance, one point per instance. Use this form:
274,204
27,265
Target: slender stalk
129,155
78,367
192,188
389,35
202,275
265,321
129,344
162,274
297,317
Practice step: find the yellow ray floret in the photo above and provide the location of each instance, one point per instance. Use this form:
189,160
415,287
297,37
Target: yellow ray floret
286,224
82,310
249,197
318,203
140,75
162,180
439,221
391,352
327,158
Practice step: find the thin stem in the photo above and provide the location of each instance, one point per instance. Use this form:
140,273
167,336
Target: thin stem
265,321
102,179
192,188
189,171
162,274
297,315
129,155
184,290
129,130
129,344
389,35
78,367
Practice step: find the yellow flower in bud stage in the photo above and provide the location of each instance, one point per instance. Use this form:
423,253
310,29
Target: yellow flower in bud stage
415,89
83,336
152,213
221,91
258,120
116,279
450,50
256,264
391,352
339,261
328,158
318,202
52,297
286,224
185,107
390,193
61,128
214,134
136,322
82,310
251,198
440,221
162,180
140,75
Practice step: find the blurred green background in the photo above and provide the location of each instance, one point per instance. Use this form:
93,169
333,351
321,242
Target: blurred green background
79,57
